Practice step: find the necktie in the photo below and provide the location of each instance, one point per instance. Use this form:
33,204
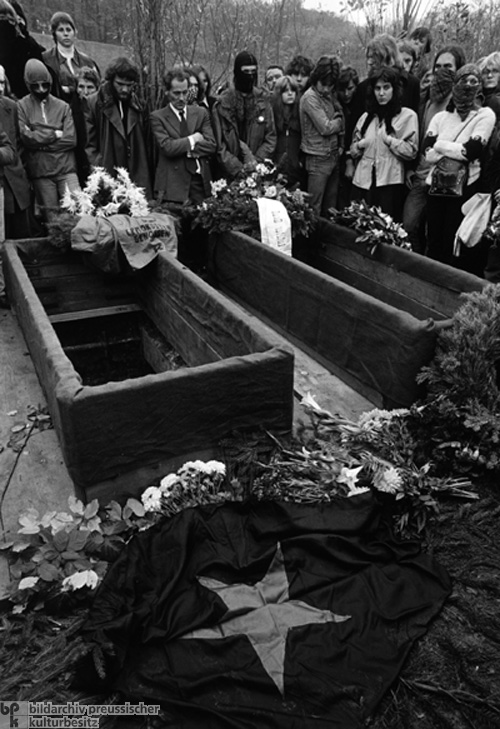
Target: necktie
184,126
190,162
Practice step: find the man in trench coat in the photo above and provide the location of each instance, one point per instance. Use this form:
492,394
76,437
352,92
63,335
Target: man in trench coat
116,135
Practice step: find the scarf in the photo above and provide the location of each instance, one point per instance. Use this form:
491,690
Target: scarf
465,97
441,84
68,54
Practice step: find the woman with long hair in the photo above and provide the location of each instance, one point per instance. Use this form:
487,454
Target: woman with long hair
285,104
385,137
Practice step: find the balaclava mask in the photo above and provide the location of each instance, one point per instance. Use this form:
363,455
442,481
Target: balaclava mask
9,29
441,84
244,82
465,96
35,72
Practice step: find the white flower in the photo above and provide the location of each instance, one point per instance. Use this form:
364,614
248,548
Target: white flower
250,182
168,482
27,582
123,175
349,476
264,169
271,191
308,401
216,467
86,578
388,480
151,498
217,186
356,490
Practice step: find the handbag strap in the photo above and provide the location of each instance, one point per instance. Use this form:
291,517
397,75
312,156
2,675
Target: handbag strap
462,129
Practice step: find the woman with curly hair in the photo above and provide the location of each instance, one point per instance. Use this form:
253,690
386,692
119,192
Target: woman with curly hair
382,51
385,137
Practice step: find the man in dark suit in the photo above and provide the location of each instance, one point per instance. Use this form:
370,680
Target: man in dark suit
186,143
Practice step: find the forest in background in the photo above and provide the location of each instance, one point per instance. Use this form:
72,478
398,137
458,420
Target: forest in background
162,33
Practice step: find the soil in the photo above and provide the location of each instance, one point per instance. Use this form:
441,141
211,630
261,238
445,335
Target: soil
452,676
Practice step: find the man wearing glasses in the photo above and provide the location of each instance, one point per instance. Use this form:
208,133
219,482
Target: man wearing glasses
48,135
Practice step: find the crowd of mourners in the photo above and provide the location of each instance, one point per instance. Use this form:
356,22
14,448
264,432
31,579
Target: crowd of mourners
383,139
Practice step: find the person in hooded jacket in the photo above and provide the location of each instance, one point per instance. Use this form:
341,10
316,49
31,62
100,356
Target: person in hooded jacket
243,121
48,135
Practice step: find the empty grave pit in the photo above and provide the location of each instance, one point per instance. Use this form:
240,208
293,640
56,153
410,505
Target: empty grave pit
141,375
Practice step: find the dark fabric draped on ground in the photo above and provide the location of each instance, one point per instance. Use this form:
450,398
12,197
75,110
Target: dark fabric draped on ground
264,615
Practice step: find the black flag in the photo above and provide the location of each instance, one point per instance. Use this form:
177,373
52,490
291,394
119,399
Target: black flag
265,614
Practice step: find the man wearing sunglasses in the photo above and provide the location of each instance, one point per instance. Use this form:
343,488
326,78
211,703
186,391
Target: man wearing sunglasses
48,135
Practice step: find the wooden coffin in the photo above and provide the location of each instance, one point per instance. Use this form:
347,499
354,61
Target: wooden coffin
406,280
369,333
117,437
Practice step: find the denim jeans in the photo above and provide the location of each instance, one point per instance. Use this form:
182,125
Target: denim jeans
50,190
414,214
322,182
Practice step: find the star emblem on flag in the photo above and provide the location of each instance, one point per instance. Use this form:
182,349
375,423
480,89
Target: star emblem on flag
265,614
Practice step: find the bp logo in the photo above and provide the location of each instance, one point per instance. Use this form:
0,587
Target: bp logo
14,714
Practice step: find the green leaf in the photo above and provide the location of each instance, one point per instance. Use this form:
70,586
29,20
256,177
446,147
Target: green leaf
60,540
70,555
76,506
114,511
91,509
48,572
136,507
77,540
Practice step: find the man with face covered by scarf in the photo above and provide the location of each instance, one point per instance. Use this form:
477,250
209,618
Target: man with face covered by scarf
243,121
446,63
460,133
48,135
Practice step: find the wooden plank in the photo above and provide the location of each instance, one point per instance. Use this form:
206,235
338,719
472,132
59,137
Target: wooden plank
397,288
313,374
93,313
156,350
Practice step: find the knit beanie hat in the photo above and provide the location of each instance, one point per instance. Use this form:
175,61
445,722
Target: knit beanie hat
59,18
465,96
36,72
